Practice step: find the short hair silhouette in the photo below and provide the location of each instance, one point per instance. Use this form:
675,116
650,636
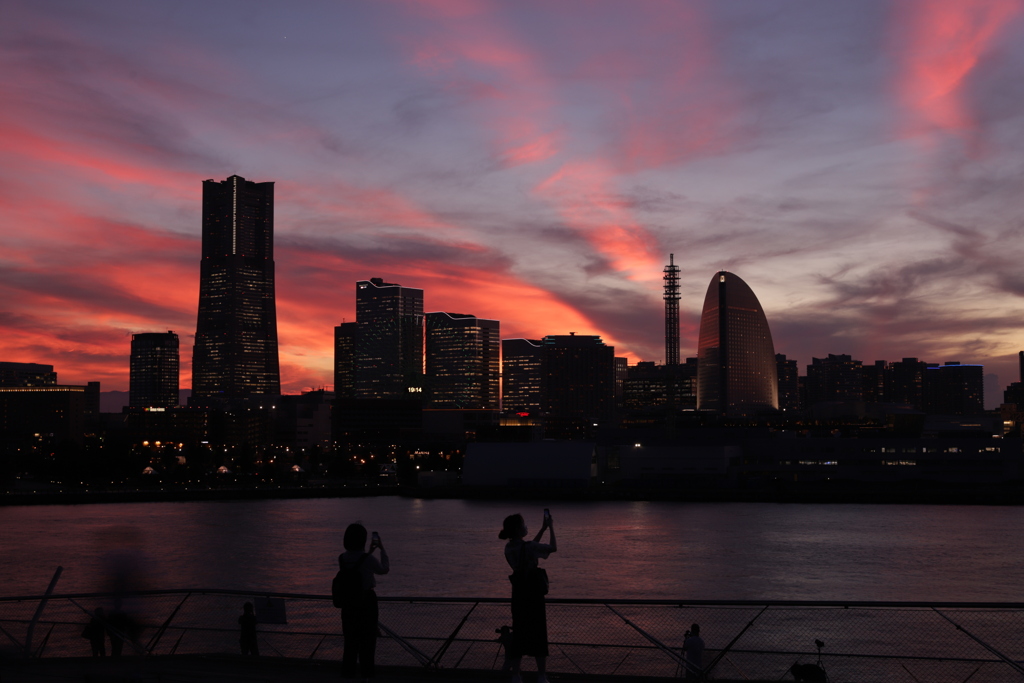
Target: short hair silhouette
695,629
355,537
512,525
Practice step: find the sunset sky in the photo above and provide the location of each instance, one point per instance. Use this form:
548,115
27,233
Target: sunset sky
860,164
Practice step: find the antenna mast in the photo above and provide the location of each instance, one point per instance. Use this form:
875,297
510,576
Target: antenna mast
671,311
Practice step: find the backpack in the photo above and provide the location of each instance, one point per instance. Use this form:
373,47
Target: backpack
347,587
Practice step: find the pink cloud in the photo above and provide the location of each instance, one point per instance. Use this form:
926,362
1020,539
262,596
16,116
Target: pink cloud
468,34
584,193
938,44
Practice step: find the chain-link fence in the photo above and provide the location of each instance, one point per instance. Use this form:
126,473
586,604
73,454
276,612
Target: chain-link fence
744,640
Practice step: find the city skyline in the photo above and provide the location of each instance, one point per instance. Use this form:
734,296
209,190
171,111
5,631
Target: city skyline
858,165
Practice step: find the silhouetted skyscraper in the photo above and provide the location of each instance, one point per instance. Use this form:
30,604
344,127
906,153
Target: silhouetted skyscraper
389,340
876,381
463,361
906,382
153,379
579,385
835,378
736,359
235,353
954,389
789,382
345,360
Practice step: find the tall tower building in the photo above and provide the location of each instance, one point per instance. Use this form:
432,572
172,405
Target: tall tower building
345,360
789,382
463,361
736,372
579,384
235,353
153,379
388,340
671,278
522,375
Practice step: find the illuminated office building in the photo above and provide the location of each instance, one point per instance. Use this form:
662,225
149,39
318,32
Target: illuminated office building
463,364
153,380
345,360
388,340
522,375
235,352
736,371
27,375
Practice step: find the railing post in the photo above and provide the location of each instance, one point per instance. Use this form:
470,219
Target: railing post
39,611
1012,664
728,647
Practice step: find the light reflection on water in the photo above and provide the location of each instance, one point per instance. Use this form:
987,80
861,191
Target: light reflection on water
607,550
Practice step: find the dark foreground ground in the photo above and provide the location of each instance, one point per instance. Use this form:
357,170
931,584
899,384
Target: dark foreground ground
241,670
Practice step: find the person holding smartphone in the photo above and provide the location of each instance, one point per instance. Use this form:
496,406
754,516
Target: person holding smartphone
359,610
529,614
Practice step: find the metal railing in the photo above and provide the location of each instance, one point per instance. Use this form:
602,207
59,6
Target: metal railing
862,641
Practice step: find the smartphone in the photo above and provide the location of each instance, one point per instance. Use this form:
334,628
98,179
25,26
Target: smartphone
547,515
376,537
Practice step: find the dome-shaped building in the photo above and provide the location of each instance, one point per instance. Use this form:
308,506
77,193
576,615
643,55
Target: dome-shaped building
736,373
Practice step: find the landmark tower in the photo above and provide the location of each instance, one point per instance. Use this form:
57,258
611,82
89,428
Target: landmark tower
235,353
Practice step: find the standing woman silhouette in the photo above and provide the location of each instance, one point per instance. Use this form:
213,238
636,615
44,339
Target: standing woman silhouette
529,616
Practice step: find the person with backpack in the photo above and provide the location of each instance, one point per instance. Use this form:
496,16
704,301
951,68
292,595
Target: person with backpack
529,586
352,591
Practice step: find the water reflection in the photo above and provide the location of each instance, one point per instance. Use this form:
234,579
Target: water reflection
613,549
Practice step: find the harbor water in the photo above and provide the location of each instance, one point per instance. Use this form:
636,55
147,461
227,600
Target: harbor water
607,550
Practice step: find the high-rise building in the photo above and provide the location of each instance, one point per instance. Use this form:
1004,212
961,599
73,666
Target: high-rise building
875,378
388,340
579,384
27,375
153,380
789,382
235,353
906,382
522,375
648,386
954,389
345,360
837,378
736,372
463,361
1014,392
